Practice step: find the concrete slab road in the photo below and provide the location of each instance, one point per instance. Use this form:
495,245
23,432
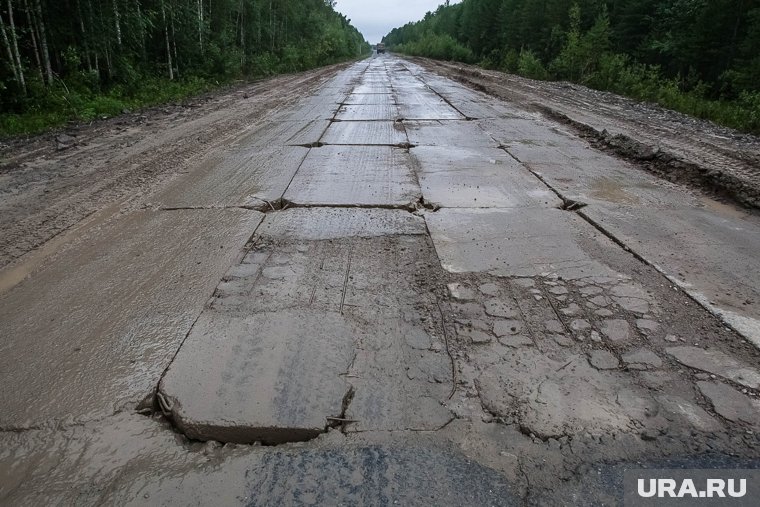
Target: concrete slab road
396,290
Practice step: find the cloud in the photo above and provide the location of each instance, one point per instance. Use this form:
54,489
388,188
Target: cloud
375,18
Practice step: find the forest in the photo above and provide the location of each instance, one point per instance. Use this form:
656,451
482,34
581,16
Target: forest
700,57
82,59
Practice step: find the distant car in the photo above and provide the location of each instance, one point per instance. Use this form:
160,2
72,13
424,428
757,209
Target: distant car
380,48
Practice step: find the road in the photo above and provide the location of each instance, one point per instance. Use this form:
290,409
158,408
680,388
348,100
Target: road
374,285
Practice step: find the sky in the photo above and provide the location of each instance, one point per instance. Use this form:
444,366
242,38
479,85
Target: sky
375,18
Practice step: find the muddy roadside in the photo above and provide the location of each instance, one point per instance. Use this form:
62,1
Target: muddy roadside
722,162
51,182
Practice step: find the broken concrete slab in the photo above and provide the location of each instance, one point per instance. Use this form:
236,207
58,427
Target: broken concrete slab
270,377
718,363
710,252
477,177
355,176
461,292
642,359
616,330
730,403
603,360
551,398
507,327
332,223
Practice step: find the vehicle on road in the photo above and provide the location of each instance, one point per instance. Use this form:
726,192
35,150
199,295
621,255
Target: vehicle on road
380,48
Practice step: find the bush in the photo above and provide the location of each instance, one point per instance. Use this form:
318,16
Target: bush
529,65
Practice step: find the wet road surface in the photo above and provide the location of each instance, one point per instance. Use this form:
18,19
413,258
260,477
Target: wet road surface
399,291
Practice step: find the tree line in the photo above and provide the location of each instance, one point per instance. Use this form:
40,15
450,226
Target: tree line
80,58
698,56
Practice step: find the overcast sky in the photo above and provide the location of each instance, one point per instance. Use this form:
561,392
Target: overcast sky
375,18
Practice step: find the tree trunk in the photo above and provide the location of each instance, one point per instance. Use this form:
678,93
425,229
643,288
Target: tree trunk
117,21
168,46
200,25
84,36
174,44
43,42
242,35
14,40
8,50
32,32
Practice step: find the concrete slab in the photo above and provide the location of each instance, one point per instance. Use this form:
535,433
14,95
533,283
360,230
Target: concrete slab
428,111
328,335
609,181
270,377
250,177
484,107
101,320
365,132
370,99
388,112
283,132
529,129
372,88
718,363
355,176
441,133
332,223
417,95
312,107
478,178
710,253
513,242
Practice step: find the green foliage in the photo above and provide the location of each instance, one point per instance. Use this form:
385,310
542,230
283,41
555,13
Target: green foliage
441,47
699,57
529,65
120,54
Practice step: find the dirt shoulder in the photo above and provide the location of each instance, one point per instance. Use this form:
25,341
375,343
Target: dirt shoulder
51,182
677,147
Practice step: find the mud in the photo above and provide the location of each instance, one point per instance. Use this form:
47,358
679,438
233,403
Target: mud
46,191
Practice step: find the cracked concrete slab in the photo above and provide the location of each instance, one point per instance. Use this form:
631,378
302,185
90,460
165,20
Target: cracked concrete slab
110,312
309,332
355,176
455,177
711,254
514,242
332,223
718,363
269,377
365,133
